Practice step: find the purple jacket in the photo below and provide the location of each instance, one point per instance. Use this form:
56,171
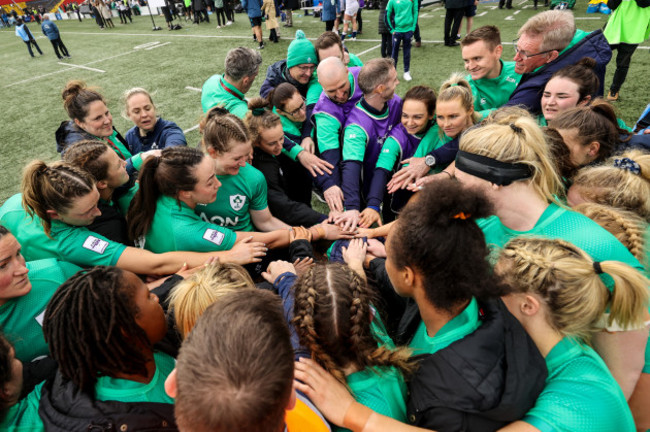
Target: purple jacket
340,113
377,129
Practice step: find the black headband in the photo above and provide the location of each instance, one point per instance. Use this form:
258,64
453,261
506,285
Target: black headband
492,170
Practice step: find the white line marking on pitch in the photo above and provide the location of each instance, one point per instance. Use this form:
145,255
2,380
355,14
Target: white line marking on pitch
516,12
193,89
191,129
481,14
157,46
38,77
368,50
82,67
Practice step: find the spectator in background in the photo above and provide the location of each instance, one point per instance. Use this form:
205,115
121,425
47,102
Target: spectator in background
23,32
289,7
548,42
628,26
106,13
253,9
328,13
384,31
453,17
269,10
51,31
219,12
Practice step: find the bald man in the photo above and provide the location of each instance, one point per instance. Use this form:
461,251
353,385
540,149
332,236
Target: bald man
340,94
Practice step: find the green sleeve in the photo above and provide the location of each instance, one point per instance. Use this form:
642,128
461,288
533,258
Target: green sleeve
354,143
293,153
137,161
622,125
389,10
257,182
390,151
124,201
240,108
327,132
88,249
314,92
201,236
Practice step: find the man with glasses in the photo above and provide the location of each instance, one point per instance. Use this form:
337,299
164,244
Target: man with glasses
340,94
548,42
228,90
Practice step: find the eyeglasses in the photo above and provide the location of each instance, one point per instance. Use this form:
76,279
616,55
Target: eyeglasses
306,68
525,56
297,110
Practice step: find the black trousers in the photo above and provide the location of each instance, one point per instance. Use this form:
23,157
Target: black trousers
623,57
29,47
58,44
386,45
452,24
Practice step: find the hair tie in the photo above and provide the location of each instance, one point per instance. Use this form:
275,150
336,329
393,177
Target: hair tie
516,129
453,85
628,165
597,267
462,216
258,111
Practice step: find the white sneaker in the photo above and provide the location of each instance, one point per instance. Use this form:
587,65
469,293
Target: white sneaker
407,76
229,23
218,26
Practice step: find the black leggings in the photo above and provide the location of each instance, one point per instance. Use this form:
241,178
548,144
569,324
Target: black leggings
220,14
623,59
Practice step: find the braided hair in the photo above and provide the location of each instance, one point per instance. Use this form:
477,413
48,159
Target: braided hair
332,317
53,187
221,130
88,154
90,327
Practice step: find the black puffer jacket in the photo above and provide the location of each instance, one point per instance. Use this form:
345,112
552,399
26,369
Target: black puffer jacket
481,382
64,409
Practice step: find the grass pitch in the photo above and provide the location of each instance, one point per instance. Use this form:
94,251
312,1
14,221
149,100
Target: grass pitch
173,64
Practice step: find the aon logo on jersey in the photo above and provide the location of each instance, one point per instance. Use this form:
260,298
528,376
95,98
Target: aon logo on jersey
218,220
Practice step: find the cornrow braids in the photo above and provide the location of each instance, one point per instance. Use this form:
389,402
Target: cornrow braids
221,130
626,226
333,316
87,154
53,187
167,174
304,309
90,327
566,280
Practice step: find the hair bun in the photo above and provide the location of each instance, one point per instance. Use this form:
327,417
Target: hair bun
72,88
587,62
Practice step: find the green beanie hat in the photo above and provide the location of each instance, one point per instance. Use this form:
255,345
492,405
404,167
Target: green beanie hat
301,51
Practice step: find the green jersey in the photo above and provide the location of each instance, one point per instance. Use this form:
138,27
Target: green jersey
237,195
176,227
219,92
457,328
580,394
118,389
21,318
36,245
354,61
492,93
401,15
565,224
381,389
23,417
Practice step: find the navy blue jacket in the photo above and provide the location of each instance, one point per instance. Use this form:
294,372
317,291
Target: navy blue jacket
50,30
278,73
164,134
530,88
